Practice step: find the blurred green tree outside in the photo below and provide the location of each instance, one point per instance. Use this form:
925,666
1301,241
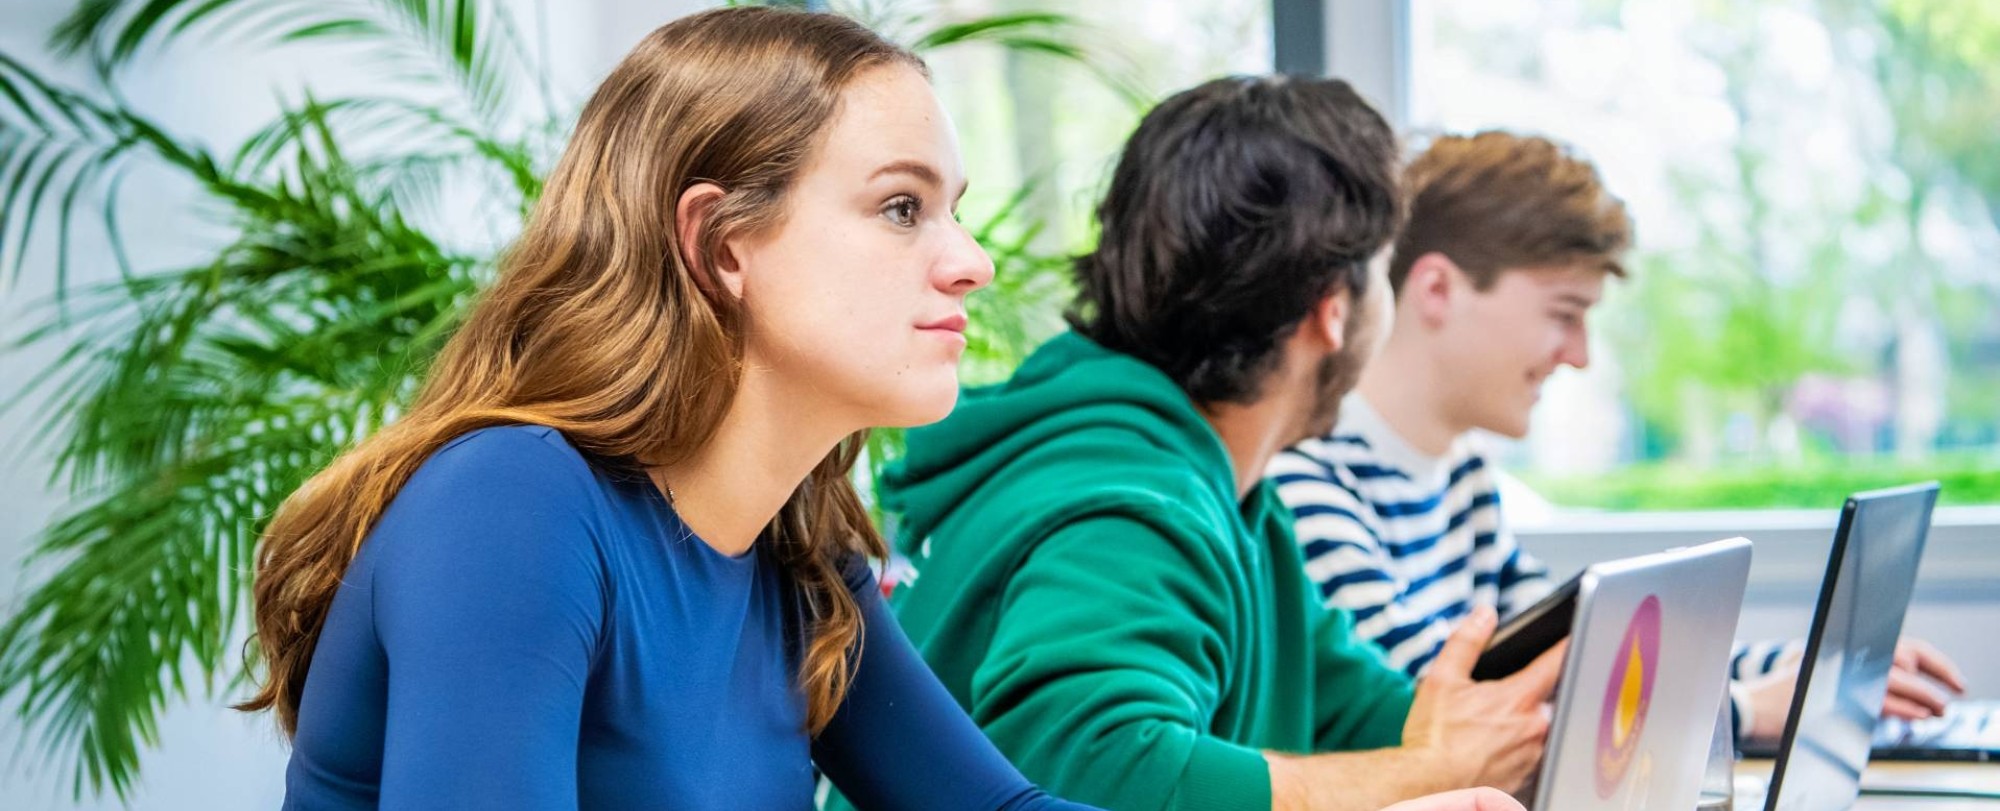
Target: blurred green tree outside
1815,306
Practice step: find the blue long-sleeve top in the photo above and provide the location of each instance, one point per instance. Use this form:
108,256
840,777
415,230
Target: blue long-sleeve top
525,629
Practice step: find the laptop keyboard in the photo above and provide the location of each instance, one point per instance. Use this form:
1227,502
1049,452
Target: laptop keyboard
1973,724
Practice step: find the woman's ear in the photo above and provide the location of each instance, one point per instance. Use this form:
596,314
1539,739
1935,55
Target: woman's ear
712,265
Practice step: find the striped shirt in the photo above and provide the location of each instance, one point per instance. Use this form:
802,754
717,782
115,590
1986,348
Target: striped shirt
1406,542
1410,542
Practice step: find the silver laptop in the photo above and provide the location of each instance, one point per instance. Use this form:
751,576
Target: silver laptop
1643,680
1870,574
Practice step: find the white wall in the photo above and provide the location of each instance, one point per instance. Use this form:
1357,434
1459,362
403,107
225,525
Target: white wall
210,758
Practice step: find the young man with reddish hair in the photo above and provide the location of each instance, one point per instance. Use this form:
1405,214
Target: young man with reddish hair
1507,248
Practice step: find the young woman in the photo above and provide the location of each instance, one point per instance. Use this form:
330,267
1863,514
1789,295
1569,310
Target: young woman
612,558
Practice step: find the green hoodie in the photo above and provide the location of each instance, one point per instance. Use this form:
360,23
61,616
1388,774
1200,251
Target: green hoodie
1091,590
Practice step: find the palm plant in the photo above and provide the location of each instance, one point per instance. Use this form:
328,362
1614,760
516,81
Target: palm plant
187,402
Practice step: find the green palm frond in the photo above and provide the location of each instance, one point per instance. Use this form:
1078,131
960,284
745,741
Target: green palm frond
473,45
413,151
57,146
1047,33
1021,308
150,570
192,404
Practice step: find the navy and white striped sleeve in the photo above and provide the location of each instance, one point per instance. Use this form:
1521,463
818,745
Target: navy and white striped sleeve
1748,660
1521,578
1346,561
1751,660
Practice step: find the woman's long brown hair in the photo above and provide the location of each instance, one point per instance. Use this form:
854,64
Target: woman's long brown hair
601,327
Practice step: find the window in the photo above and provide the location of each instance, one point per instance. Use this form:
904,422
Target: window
1815,300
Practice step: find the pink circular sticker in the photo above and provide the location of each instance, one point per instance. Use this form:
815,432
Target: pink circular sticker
1627,696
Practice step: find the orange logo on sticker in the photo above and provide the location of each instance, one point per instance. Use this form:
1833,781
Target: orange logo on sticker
1627,696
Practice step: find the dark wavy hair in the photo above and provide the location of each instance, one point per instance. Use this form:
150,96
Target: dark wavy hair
1235,207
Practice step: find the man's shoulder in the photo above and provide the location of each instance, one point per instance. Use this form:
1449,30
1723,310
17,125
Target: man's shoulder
1321,466
1474,462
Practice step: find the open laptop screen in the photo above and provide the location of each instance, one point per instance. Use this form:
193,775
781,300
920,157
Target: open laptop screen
1852,644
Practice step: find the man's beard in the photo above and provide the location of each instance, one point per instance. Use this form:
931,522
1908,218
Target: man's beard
1337,375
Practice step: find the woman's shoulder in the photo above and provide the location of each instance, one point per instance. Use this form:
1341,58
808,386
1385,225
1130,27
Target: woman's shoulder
534,451
507,468
501,530
498,442
513,492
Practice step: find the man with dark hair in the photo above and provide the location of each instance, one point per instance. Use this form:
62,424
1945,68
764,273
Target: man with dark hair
1103,576
1509,241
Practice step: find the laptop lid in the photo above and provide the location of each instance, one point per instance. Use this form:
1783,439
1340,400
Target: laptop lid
1646,671
1870,573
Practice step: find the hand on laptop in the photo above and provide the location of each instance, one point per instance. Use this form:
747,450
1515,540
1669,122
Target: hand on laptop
1771,699
1478,799
1912,695
1487,733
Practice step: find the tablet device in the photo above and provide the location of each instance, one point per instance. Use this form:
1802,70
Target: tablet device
1529,633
